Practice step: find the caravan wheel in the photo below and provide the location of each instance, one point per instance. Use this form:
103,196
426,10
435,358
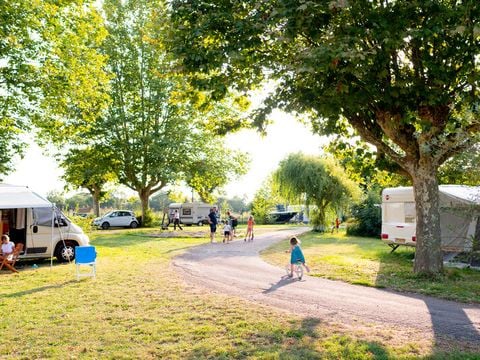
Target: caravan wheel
65,252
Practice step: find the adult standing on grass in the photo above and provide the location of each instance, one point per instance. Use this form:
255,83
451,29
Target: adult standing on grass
176,220
212,220
233,222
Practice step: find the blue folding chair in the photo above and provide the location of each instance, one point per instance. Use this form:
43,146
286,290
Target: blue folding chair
85,255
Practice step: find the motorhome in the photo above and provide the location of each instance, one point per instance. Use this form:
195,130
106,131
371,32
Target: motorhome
459,215
191,213
33,221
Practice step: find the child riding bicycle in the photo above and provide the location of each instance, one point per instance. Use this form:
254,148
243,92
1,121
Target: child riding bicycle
296,255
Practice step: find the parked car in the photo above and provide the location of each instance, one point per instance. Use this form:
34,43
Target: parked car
117,218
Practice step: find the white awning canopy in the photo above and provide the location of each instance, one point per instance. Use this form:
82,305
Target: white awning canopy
13,196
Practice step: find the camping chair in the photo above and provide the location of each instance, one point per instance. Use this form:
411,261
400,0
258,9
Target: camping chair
85,255
9,261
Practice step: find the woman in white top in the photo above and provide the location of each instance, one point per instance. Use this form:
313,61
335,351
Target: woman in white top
7,247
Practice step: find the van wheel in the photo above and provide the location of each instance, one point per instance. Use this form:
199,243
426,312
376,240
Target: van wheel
65,252
133,224
105,225
200,223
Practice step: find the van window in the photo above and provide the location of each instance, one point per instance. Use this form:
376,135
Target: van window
43,217
187,211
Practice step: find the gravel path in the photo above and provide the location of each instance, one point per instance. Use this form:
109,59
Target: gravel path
236,269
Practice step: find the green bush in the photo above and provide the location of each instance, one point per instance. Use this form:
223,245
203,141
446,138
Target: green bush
84,222
149,219
367,217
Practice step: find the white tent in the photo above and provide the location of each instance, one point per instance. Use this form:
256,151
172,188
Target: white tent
459,216
13,196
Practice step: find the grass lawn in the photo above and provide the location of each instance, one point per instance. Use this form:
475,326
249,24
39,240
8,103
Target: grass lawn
368,261
138,308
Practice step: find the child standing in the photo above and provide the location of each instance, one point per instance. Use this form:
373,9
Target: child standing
296,255
227,229
249,234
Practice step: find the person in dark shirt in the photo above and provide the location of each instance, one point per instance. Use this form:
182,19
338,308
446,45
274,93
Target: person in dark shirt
212,220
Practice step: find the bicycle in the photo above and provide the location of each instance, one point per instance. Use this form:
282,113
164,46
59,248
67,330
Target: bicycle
297,269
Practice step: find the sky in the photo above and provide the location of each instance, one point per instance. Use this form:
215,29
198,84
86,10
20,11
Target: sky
39,172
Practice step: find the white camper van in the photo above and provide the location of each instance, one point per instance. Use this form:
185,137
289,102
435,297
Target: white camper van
191,213
459,214
33,221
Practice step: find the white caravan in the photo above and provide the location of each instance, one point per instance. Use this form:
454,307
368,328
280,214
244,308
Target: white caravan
191,213
33,221
459,214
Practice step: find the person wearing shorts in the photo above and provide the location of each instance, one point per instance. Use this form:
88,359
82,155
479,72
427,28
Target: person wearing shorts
212,220
226,231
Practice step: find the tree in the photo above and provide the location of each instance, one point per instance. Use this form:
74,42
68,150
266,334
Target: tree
214,167
403,74
368,216
363,164
90,168
51,74
157,133
57,198
264,201
313,180
462,168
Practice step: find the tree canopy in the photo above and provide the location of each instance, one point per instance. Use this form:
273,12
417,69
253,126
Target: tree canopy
51,74
404,74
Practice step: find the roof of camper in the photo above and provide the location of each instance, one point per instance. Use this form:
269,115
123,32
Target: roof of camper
15,196
463,193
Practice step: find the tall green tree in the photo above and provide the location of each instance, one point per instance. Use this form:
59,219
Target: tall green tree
157,132
51,75
90,168
404,74
313,180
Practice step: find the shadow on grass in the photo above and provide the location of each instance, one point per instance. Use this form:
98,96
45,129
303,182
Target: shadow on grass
39,289
300,341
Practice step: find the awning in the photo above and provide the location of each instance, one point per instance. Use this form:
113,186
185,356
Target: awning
13,196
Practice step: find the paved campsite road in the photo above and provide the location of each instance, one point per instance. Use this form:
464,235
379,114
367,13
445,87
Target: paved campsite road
237,269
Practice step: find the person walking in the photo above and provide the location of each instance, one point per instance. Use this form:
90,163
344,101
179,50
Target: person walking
176,220
250,223
213,221
233,222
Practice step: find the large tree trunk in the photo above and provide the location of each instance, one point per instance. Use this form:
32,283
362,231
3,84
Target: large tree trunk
96,204
428,255
144,195
96,201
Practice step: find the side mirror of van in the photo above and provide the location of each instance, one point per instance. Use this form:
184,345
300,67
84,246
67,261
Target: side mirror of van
35,229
